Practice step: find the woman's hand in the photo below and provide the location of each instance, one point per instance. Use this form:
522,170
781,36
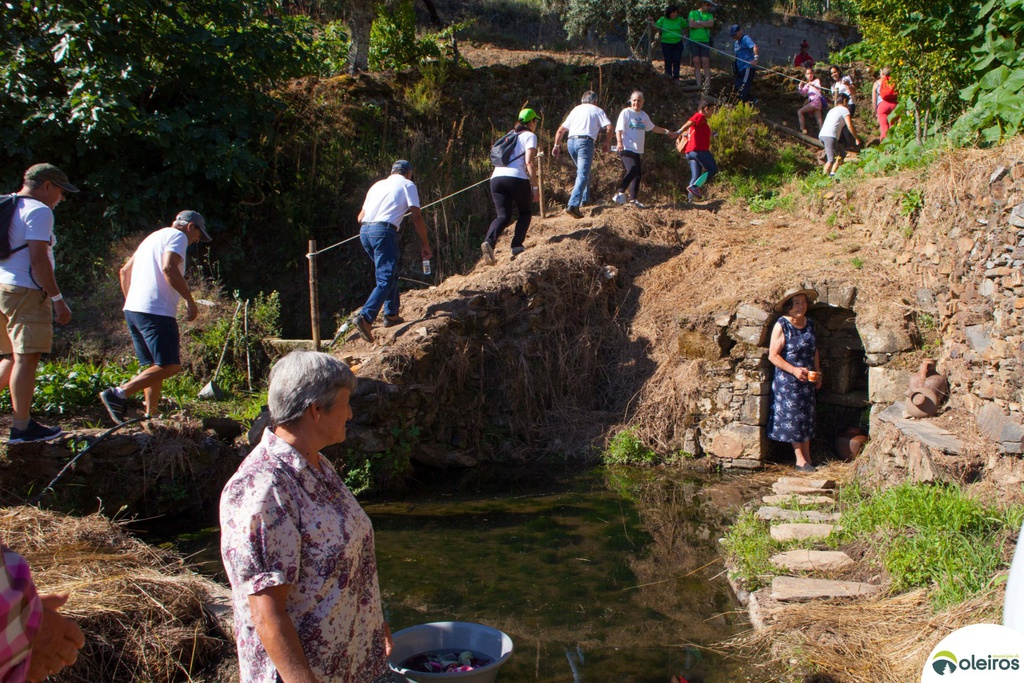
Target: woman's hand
800,373
389,642
817,383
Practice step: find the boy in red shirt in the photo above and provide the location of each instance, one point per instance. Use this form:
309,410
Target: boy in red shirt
694,141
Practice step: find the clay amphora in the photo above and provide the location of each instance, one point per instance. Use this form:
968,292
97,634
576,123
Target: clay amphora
926,391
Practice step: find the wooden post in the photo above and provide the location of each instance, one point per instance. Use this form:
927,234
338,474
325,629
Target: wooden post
650,43
314,298
540,184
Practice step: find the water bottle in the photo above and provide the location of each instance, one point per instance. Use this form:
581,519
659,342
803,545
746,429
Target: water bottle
426,266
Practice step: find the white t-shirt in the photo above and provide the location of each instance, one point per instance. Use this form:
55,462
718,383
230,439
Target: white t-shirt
389,200
32,220
517,168
586,119
634,126
149,291
842,86
834,122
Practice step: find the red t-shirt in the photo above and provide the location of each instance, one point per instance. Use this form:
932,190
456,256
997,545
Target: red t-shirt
700,134
803,60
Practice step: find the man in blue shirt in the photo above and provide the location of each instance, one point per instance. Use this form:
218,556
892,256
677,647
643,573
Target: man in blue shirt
745,50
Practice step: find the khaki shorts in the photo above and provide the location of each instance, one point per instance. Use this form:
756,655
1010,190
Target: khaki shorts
26,320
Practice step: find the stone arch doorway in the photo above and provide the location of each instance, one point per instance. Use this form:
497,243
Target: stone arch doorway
843,399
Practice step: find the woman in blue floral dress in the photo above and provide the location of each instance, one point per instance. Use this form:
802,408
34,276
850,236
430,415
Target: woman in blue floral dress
794,352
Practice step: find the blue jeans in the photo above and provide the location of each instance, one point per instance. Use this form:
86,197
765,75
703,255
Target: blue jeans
380,240
700,159
582,152
744,79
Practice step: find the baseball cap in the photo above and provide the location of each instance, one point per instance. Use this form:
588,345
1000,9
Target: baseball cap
734,29
189,216
401,166
805,44
527,115
51,173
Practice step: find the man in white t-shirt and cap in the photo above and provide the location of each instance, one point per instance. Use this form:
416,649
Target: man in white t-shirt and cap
153,282
30,299
386,204
582,125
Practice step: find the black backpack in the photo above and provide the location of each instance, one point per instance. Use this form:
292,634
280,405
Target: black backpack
504,148
8,204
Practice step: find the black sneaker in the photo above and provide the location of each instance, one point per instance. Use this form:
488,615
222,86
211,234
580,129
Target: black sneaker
34,432
574,211
516,251
392,320
114,404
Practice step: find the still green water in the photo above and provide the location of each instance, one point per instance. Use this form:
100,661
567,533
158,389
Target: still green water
619,568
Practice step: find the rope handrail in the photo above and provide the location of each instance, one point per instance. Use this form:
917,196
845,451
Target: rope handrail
722,52
311,254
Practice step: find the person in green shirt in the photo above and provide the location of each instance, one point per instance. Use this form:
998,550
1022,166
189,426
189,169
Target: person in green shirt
670,29
700,22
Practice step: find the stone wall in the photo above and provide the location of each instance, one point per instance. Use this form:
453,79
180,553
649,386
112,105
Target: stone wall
778,40
970,270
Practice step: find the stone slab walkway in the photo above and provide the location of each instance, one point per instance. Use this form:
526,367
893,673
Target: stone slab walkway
792,589
813,560
771,513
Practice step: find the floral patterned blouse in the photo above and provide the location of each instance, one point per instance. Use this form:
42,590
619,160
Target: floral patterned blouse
283,522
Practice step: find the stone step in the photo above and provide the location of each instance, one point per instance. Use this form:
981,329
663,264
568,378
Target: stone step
793,589
783,489
812,560
800,532
797,499
770,513
926,432
810,483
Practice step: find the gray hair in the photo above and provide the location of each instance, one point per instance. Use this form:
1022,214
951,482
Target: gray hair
181,225
33,183
637,93
303,378
589,97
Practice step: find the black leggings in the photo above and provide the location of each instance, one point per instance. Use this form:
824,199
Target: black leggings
509,194
631,179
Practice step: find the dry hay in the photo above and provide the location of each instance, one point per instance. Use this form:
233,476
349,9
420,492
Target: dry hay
885,640
140,608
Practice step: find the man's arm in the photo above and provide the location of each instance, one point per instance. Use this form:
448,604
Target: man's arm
171,268
849,124
278,636
609,133
421,231
42,272
125,275
559,134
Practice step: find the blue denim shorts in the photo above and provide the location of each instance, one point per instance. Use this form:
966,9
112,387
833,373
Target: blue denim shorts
155,338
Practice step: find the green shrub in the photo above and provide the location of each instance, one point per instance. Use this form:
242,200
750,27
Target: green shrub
377,471
64,388
626,448
743,142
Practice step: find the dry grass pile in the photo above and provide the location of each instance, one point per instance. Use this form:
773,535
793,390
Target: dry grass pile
885,640
140,608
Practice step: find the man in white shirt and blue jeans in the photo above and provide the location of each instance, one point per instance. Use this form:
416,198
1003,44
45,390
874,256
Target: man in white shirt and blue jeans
29,296
582,125
385,206
153,282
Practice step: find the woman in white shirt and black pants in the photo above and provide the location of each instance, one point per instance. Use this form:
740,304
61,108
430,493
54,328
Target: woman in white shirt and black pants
514,187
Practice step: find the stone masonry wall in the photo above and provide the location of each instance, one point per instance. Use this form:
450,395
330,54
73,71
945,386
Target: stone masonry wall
778,40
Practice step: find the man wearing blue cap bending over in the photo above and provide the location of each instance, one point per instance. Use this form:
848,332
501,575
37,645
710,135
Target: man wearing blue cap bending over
153,282
385,206
745,50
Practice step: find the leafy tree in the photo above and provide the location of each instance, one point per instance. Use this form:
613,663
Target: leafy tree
998,58
924,43
148,104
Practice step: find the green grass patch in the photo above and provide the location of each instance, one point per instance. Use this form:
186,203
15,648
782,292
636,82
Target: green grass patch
748,546
626,448
933,537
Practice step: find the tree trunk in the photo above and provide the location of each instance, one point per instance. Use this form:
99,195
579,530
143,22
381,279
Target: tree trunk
432,10
360,18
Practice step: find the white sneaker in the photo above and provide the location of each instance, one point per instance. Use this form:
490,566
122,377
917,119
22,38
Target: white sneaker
619,198
638,204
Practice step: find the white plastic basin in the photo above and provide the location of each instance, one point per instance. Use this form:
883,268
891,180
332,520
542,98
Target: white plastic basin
443,635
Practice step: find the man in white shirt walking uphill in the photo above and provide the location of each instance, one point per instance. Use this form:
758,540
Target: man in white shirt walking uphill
582,125
153,282
385,206
29,295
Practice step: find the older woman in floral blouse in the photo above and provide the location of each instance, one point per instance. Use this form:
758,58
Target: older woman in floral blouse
297,546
